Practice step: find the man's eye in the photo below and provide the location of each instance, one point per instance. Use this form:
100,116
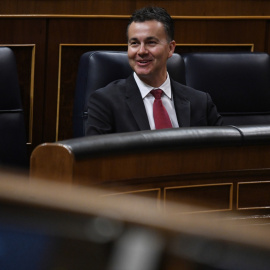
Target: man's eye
133,43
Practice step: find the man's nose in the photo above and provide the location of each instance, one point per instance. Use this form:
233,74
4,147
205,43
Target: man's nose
143,49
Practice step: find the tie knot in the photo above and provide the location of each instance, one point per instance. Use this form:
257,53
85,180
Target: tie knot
157,93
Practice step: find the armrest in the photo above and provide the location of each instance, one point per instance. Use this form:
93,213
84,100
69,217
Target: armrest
156,140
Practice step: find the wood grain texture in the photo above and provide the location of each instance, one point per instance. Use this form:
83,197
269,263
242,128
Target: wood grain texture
215,178
126,7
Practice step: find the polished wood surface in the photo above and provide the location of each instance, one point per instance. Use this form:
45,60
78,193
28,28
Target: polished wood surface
126,7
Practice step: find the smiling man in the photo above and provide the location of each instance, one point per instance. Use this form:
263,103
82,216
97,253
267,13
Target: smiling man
149,98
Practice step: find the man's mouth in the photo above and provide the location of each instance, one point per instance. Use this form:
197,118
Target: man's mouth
143,62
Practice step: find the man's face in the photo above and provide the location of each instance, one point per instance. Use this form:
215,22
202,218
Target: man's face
148,51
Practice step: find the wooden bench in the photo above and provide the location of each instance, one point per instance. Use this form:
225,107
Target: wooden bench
217,168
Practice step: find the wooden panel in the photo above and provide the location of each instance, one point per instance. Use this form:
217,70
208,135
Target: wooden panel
221,32
154,194
210,183
260,199
27,38
123,167
210,197
183,7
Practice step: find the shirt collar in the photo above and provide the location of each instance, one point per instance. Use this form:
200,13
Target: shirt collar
145,88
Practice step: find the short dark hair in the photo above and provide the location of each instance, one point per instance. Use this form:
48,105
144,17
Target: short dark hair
154,13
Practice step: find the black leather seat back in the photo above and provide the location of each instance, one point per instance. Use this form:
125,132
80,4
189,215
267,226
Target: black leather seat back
13,151
99,68
239,84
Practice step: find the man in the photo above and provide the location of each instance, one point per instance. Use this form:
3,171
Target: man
130,104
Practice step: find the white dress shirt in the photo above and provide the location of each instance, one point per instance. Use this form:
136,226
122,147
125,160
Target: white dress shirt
148,100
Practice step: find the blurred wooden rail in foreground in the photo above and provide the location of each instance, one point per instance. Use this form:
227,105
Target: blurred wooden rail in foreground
74,227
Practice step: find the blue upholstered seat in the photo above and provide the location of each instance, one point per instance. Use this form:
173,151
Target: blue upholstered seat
13,151
238,82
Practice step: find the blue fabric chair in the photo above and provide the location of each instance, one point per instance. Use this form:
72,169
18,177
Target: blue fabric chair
238,82
13,150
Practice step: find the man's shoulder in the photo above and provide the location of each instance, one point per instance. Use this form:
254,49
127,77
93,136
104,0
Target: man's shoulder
185,90
113,84
118,84
113,88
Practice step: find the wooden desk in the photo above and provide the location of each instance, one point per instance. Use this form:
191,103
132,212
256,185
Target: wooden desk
232,177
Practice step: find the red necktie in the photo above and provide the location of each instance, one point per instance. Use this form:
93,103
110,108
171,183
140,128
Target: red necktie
161,117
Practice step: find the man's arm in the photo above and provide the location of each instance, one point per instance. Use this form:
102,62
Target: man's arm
213,116
100,119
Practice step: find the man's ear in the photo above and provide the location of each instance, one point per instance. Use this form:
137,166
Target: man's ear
171,48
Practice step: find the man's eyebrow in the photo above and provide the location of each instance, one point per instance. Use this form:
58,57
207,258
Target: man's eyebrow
148,38
155,38
132,39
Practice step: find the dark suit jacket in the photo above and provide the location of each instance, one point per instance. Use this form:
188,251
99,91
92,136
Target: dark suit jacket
119,107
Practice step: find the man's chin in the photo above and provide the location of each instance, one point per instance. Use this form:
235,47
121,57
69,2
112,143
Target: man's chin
143,75
142,72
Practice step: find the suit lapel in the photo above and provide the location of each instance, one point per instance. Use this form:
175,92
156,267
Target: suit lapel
135,103
182,106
